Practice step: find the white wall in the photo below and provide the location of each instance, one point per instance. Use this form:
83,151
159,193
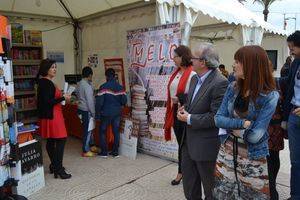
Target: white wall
227,48
278,43
56,40
106,36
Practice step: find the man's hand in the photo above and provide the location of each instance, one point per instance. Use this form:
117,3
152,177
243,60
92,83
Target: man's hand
182,114
297,111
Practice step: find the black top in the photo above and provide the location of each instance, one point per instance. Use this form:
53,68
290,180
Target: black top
241,105
46,98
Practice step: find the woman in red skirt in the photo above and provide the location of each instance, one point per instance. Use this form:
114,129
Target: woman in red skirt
52,126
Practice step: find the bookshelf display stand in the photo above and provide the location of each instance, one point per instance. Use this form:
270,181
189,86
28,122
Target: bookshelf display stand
26,60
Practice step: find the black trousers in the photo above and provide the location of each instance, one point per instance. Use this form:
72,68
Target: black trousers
55,149
273,169
196,173
178,127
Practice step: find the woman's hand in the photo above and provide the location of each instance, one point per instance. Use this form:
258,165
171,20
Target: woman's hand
175,100
67,97
236,133
247,124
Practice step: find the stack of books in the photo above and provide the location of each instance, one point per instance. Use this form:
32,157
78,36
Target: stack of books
139,108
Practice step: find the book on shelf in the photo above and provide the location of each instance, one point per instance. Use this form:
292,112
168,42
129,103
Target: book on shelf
6,70
33,37
26,70
25,120
2,89
25,103
29,171
24,54
24,85
17,33
10,92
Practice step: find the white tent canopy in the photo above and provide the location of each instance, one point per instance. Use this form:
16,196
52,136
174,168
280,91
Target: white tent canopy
246,27
78,8
196,13
229,11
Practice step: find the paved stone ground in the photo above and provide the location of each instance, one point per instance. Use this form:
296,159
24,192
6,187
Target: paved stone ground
146,178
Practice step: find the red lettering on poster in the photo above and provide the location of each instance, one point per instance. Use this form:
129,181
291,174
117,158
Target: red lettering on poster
150,52
172,48
161,57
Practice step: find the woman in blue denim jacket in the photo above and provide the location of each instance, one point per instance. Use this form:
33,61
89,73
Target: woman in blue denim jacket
243,119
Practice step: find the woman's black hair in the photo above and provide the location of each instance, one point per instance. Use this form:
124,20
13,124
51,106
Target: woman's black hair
45,65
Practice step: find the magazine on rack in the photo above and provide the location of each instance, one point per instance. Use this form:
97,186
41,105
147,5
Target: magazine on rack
68,89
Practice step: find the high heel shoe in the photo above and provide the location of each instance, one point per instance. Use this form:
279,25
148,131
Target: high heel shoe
51,169
175,182
62,174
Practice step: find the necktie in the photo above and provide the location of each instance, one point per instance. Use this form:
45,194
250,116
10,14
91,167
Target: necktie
197,89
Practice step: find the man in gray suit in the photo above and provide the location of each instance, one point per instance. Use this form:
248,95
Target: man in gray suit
200,143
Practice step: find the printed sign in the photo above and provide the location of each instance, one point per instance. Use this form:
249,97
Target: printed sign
29,170
150,60
56,55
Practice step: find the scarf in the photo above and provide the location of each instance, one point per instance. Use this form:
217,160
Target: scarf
169,120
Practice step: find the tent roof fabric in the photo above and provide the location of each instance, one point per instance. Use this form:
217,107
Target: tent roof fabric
78,8
229,11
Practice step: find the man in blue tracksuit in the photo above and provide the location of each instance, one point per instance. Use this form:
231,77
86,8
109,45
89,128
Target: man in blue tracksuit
109,101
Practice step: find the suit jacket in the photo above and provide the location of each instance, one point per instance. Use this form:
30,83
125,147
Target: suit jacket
201,137
288,83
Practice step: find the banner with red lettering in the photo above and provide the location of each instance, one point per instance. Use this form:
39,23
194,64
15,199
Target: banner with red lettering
150,63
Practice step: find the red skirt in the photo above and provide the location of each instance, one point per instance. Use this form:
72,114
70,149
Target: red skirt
54,128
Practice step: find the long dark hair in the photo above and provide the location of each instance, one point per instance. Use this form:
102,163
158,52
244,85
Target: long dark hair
258,76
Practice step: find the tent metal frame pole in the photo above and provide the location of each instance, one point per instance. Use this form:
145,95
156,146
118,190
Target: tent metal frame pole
35,16
76,36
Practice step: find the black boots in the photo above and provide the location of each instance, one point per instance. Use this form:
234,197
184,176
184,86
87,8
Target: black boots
62,174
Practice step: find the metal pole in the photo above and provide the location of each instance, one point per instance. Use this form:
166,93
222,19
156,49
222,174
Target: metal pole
295,22
284,22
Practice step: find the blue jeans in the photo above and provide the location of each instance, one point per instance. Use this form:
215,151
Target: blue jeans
105,122
294,144
87,138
